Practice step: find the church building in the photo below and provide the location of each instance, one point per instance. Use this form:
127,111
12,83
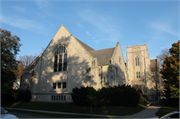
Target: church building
67,63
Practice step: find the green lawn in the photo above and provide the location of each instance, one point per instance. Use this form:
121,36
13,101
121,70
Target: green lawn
164,110
70,107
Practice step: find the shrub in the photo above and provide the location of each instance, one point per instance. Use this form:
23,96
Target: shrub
171,102
17,95
102,98
24,95
117,96
7,98
80,96
143,101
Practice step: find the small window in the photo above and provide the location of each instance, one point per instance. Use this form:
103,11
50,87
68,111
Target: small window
54,85
138,74
88,70
59,85
106,79
64,84
64,97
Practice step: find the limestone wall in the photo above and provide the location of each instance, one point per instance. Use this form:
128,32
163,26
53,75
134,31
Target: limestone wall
79,60
118,62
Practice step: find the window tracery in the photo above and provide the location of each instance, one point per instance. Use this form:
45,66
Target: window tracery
60,59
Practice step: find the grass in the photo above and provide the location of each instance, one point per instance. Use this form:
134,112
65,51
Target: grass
52,115
70,107
165,109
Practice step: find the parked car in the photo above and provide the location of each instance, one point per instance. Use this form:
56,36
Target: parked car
5,114
174,114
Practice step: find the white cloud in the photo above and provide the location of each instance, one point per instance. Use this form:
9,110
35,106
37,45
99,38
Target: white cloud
87,33
162,27
80,26
104,25
96,41
22,23
93,38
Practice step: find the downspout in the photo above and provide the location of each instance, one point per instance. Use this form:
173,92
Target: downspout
101,75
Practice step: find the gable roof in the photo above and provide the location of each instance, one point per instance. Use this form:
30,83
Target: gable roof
103,56
88,48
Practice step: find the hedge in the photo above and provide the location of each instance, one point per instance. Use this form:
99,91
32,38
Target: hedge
112,96
80,96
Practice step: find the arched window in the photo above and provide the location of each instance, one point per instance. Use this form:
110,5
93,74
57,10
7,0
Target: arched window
60,59
137,61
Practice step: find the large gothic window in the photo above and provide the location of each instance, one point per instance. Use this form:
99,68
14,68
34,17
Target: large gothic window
60,59
137,61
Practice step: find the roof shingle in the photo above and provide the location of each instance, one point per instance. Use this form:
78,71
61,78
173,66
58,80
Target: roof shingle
103,56
88,48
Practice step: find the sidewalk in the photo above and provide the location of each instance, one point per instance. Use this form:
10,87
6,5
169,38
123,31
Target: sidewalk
146,113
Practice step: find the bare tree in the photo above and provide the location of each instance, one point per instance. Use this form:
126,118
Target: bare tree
43,49
162,56
24,62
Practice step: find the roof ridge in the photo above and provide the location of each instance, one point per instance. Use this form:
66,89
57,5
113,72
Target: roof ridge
102,49
85,45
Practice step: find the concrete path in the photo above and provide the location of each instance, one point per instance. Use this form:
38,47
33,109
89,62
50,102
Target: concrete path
149,112
146,113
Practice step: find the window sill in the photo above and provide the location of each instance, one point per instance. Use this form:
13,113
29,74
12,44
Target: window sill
106,83
59,71
57,90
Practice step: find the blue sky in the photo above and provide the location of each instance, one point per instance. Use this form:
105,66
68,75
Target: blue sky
99,24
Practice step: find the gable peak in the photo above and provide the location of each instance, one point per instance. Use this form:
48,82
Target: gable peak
63,27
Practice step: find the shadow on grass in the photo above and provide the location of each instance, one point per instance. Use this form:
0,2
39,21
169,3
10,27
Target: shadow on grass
70,107
46,115
165,110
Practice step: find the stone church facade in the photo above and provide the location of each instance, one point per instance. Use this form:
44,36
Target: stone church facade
67,63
